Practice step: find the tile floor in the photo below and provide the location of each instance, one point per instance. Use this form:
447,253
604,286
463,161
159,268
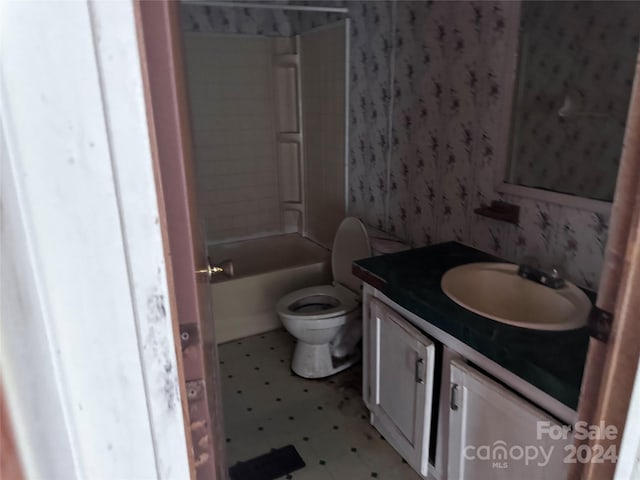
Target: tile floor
266,406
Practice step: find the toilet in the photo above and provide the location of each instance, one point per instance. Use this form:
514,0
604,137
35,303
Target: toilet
326,319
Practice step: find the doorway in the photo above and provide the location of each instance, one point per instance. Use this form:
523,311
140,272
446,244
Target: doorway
201,365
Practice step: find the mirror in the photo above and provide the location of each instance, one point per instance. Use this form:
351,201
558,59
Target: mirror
575,68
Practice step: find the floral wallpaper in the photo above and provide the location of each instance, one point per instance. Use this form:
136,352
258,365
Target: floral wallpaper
370,97
446,111
426,96
576,68
198,18
423,153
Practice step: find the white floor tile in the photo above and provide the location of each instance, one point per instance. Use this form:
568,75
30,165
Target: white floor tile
267,407
350,467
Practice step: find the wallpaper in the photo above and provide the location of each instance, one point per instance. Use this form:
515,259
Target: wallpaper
575,74
370,101
423,181
426,92
198,18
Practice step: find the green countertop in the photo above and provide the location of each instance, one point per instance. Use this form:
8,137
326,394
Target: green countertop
552,361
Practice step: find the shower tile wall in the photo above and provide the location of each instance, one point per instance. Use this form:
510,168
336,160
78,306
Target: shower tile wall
230,84
323,76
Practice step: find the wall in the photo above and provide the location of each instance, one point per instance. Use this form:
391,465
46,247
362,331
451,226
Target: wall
422,181
584,51
323,106
425,135
370,101
231,94
252,21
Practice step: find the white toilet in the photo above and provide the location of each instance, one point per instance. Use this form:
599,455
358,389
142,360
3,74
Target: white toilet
326,319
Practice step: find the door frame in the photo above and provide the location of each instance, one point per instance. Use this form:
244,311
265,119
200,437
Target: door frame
168,119
160,44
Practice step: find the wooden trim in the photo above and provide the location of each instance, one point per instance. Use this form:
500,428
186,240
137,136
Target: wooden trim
610,369
622,265
215,434
169,112
182,104
10,464
162,213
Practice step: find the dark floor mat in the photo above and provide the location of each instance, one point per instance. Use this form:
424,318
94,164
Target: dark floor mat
271,465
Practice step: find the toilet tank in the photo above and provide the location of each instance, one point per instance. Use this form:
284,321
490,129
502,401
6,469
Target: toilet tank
384,243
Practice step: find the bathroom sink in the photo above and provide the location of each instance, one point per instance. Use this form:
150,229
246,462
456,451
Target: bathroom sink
496,291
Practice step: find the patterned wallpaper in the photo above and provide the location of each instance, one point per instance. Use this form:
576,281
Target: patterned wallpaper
252,21
584,52
370,101
425,102
422,182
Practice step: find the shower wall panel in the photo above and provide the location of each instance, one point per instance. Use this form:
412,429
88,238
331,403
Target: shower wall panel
231,96
323,59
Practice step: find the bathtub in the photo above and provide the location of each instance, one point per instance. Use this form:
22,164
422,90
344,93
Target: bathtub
265,270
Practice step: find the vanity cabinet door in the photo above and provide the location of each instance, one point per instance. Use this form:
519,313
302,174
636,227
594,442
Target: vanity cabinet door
402,384
493,433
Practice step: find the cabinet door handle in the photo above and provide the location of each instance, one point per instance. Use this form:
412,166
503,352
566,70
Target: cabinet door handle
452,397
419,362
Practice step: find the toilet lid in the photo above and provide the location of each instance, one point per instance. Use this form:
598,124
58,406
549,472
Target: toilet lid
350,243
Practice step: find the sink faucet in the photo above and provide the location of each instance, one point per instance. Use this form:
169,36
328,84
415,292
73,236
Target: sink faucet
550,279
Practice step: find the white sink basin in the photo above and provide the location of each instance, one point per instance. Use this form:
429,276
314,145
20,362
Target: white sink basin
496,291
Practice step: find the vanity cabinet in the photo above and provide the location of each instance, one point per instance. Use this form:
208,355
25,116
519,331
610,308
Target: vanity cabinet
493,433
401,384
484,422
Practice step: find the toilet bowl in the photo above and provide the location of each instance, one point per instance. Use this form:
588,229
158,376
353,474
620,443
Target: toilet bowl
326,319
314,316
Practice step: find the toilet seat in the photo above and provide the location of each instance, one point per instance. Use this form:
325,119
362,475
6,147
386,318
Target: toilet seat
337,301
325,319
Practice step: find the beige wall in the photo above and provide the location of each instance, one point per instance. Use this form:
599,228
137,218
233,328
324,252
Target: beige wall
323,113
231,94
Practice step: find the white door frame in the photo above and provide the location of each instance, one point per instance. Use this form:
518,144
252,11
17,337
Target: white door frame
87,349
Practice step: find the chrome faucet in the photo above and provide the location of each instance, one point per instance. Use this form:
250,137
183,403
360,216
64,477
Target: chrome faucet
550,279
